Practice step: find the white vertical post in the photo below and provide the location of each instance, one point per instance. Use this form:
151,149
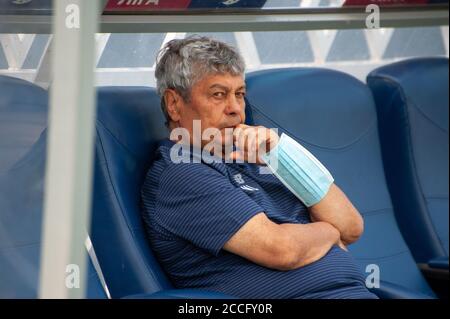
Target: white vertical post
70,150
247,46
101,40
43,70
321,42
378,41
16,48
444,31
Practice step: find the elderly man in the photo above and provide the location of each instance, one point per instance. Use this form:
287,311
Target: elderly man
226,227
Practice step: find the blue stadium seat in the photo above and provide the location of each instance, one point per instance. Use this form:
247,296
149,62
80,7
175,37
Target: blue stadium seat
23,109
334,116
412,104
23,114
129,122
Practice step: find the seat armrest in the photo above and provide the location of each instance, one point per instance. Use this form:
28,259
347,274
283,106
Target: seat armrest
439,263
389,290
436,269
181,294
437,274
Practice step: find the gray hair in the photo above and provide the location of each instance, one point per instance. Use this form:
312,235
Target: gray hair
182,62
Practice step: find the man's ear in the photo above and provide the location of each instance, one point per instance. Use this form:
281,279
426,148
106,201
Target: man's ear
172,100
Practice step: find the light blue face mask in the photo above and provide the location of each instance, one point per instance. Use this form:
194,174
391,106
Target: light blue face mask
298,170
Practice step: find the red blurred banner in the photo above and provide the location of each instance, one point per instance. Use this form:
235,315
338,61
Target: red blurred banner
146,5
383,2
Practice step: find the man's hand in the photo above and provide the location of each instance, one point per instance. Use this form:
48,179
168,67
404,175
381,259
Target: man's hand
252,142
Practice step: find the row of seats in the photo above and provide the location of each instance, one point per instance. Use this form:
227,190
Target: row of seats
386,144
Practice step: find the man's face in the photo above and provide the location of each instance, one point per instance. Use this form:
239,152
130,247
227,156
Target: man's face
217,101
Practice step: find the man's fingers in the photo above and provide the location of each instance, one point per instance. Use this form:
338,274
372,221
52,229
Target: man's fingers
237,156
253,141
242,126
245,138
241,139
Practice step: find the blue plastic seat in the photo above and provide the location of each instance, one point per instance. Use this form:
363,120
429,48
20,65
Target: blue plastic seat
333,115
129,122
23,114
412,103
23,109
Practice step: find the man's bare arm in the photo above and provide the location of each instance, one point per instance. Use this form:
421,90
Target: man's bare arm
282,246
335,208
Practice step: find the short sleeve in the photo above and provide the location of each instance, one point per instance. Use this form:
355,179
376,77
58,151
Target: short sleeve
199,204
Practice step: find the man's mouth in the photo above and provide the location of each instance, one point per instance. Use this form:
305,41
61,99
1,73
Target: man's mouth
231,126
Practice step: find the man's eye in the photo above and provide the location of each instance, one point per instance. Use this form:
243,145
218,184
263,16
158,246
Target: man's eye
240,95
219,94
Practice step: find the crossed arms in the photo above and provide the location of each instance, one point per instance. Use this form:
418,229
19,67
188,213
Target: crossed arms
335,221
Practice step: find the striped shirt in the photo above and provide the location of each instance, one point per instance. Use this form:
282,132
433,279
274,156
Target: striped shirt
192,209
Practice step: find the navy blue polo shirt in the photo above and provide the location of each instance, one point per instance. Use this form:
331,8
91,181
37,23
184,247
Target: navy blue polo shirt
192,209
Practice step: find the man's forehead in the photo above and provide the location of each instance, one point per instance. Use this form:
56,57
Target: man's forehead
226,80
238,85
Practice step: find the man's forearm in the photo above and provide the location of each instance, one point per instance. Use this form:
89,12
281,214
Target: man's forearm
335,208
307,243
314,186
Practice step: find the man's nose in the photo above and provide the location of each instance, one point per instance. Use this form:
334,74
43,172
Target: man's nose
233,105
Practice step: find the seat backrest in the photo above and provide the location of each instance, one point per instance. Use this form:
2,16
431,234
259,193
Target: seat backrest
333,115
23,115
412,103
129,122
